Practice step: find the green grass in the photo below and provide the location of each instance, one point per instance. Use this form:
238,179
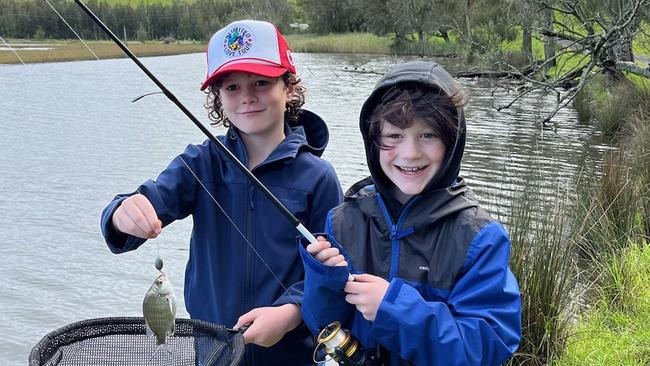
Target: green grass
135,3
372,44
339,43
72,50
611,334
641,42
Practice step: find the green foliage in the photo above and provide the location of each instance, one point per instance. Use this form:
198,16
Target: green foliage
617,330
39,34
641,43
583,100
335,16
185,19
141,34
612,217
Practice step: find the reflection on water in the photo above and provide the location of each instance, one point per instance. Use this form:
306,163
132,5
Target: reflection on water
71,139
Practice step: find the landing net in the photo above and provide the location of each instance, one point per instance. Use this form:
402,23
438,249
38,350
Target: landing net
123,341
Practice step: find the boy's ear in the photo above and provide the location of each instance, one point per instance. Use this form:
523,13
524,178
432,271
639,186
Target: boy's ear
290,89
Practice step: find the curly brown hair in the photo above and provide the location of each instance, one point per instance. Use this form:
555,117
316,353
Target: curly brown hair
403,103
292,110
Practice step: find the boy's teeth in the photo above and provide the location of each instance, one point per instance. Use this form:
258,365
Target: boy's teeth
410,169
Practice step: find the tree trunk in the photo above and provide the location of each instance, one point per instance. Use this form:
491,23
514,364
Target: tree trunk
549,42
526,15
467,22
527,44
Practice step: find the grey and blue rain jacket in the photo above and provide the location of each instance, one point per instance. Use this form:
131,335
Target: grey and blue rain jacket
224,278
452,299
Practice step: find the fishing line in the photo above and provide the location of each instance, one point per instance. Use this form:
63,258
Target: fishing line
250,245
12,50
48,90
73,31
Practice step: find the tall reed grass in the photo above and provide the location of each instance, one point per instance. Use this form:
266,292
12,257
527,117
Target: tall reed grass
612,237
544,262
339,43
575,254
370,44
611,107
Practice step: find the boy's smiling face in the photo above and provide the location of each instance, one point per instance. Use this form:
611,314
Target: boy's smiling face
412,157
255,104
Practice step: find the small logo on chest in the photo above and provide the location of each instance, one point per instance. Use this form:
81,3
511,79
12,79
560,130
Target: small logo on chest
424,268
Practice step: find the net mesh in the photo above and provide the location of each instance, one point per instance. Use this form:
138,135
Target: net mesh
123,341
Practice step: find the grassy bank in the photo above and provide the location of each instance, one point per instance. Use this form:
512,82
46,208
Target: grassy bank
70,50
362,43
339,43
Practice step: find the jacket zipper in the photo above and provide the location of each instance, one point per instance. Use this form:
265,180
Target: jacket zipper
396,233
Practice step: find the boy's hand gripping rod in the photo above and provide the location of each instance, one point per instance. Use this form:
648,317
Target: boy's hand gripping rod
287,214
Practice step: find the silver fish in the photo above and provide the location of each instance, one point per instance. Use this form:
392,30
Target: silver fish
159,310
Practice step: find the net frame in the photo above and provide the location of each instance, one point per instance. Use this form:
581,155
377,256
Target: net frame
210,344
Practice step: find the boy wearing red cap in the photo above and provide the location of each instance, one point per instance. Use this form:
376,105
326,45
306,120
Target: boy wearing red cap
253,90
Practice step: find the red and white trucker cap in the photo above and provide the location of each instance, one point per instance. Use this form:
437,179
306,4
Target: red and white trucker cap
249,46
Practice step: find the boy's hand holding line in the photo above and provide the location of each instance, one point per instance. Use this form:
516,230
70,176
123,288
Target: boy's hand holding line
136,216
365,292
326,254
269,324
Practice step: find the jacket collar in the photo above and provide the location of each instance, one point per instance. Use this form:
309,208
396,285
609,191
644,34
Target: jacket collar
309,133
425,208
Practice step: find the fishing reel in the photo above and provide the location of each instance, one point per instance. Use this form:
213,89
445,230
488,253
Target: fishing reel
341,347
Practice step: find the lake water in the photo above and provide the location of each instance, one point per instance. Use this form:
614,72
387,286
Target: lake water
70,139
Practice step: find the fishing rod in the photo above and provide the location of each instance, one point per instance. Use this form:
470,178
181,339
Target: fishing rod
287,214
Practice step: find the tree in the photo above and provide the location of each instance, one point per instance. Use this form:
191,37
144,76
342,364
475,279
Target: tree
596,34
336,16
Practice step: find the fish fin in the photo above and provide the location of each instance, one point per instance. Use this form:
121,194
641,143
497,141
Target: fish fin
172,305
172,309
148,329
161,348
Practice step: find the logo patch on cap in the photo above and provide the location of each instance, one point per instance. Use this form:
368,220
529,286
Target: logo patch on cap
237,41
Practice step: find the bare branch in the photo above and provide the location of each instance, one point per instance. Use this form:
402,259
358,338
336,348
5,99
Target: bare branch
633,68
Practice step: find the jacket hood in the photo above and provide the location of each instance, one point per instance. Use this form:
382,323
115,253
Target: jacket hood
314,129
428,74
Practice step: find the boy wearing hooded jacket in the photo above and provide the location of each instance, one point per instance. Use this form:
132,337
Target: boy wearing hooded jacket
242,254
432,283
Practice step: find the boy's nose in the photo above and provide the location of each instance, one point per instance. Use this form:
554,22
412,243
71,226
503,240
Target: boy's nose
410,149
248,96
